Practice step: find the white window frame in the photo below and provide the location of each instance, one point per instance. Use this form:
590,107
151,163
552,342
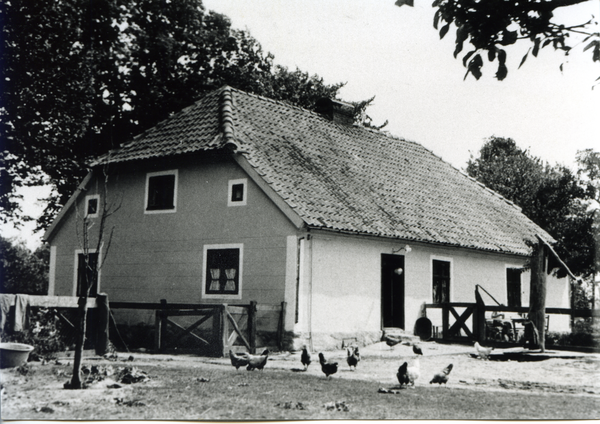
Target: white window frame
207,247
158,174
244,182
452,282
76,265
87,204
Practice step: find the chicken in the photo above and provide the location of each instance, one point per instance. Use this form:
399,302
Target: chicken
442,376
390,341
327,367
257,361
305,358
414,372
483,352
402,374
417,349
353,357
237,360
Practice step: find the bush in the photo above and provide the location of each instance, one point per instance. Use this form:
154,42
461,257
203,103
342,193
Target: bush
571,339
44,332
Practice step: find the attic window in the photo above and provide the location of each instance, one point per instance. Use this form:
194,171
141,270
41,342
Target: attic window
91,206
237,192
161,192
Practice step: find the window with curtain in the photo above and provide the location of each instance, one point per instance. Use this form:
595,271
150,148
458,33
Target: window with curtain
222,271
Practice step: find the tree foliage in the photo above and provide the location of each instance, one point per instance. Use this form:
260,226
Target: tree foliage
80,77
553,197
23,271
492,25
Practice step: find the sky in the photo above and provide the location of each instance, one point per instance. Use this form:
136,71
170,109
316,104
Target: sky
395,54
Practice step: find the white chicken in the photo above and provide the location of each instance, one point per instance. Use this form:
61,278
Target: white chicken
483,352
414,371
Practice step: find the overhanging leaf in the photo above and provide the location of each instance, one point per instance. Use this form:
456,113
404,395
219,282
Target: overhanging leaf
467,56
444,30
536,47
524,58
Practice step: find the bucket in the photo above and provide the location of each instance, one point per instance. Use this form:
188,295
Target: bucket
423,328
14,354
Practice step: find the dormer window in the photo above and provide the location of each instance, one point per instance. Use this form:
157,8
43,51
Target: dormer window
237,192
161,192
92,204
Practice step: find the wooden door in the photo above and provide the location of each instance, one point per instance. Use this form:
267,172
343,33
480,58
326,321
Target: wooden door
392,290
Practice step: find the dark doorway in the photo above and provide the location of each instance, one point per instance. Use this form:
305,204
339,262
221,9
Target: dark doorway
392,290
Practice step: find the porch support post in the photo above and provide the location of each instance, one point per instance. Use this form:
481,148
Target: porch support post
224,330
537,296
281,327
252,326
479,317
103,314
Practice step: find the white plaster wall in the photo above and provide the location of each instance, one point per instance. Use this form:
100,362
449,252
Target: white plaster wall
340,283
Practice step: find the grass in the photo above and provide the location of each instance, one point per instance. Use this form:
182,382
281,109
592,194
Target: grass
176,393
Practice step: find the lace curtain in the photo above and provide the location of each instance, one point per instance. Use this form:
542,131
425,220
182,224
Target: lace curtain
215,273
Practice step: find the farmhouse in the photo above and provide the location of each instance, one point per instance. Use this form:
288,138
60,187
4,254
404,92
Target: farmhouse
240,198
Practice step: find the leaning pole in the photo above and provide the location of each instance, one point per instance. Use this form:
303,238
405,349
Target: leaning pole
537,292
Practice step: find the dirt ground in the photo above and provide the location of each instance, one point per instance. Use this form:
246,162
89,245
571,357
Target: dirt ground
569,373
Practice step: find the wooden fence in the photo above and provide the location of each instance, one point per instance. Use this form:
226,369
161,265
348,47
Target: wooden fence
220,336
453,320
216,330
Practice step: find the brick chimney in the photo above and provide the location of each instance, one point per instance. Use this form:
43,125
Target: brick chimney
336,111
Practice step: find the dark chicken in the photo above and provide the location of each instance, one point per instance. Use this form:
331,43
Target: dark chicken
353,357
305,358
257,361
390,341
402,374
442,376
238,360
328,368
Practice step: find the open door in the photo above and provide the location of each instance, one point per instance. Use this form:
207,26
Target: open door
392,290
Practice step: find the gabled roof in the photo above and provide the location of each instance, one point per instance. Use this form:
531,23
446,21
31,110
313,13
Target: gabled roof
343,178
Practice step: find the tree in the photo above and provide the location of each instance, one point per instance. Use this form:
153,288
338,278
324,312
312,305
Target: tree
490,26
81,77
94,240
23,271
551,196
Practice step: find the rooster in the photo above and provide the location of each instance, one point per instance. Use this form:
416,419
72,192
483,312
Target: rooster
327,367
305,358
414,372
402,374
442,376
390,340
483,352
237,360
417,349
353,357
257,361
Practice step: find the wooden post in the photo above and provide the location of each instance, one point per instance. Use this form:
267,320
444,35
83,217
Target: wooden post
252,326
163,323
281,326
224,330
102,314
157,331
537,293
217,340
479,317
445,321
